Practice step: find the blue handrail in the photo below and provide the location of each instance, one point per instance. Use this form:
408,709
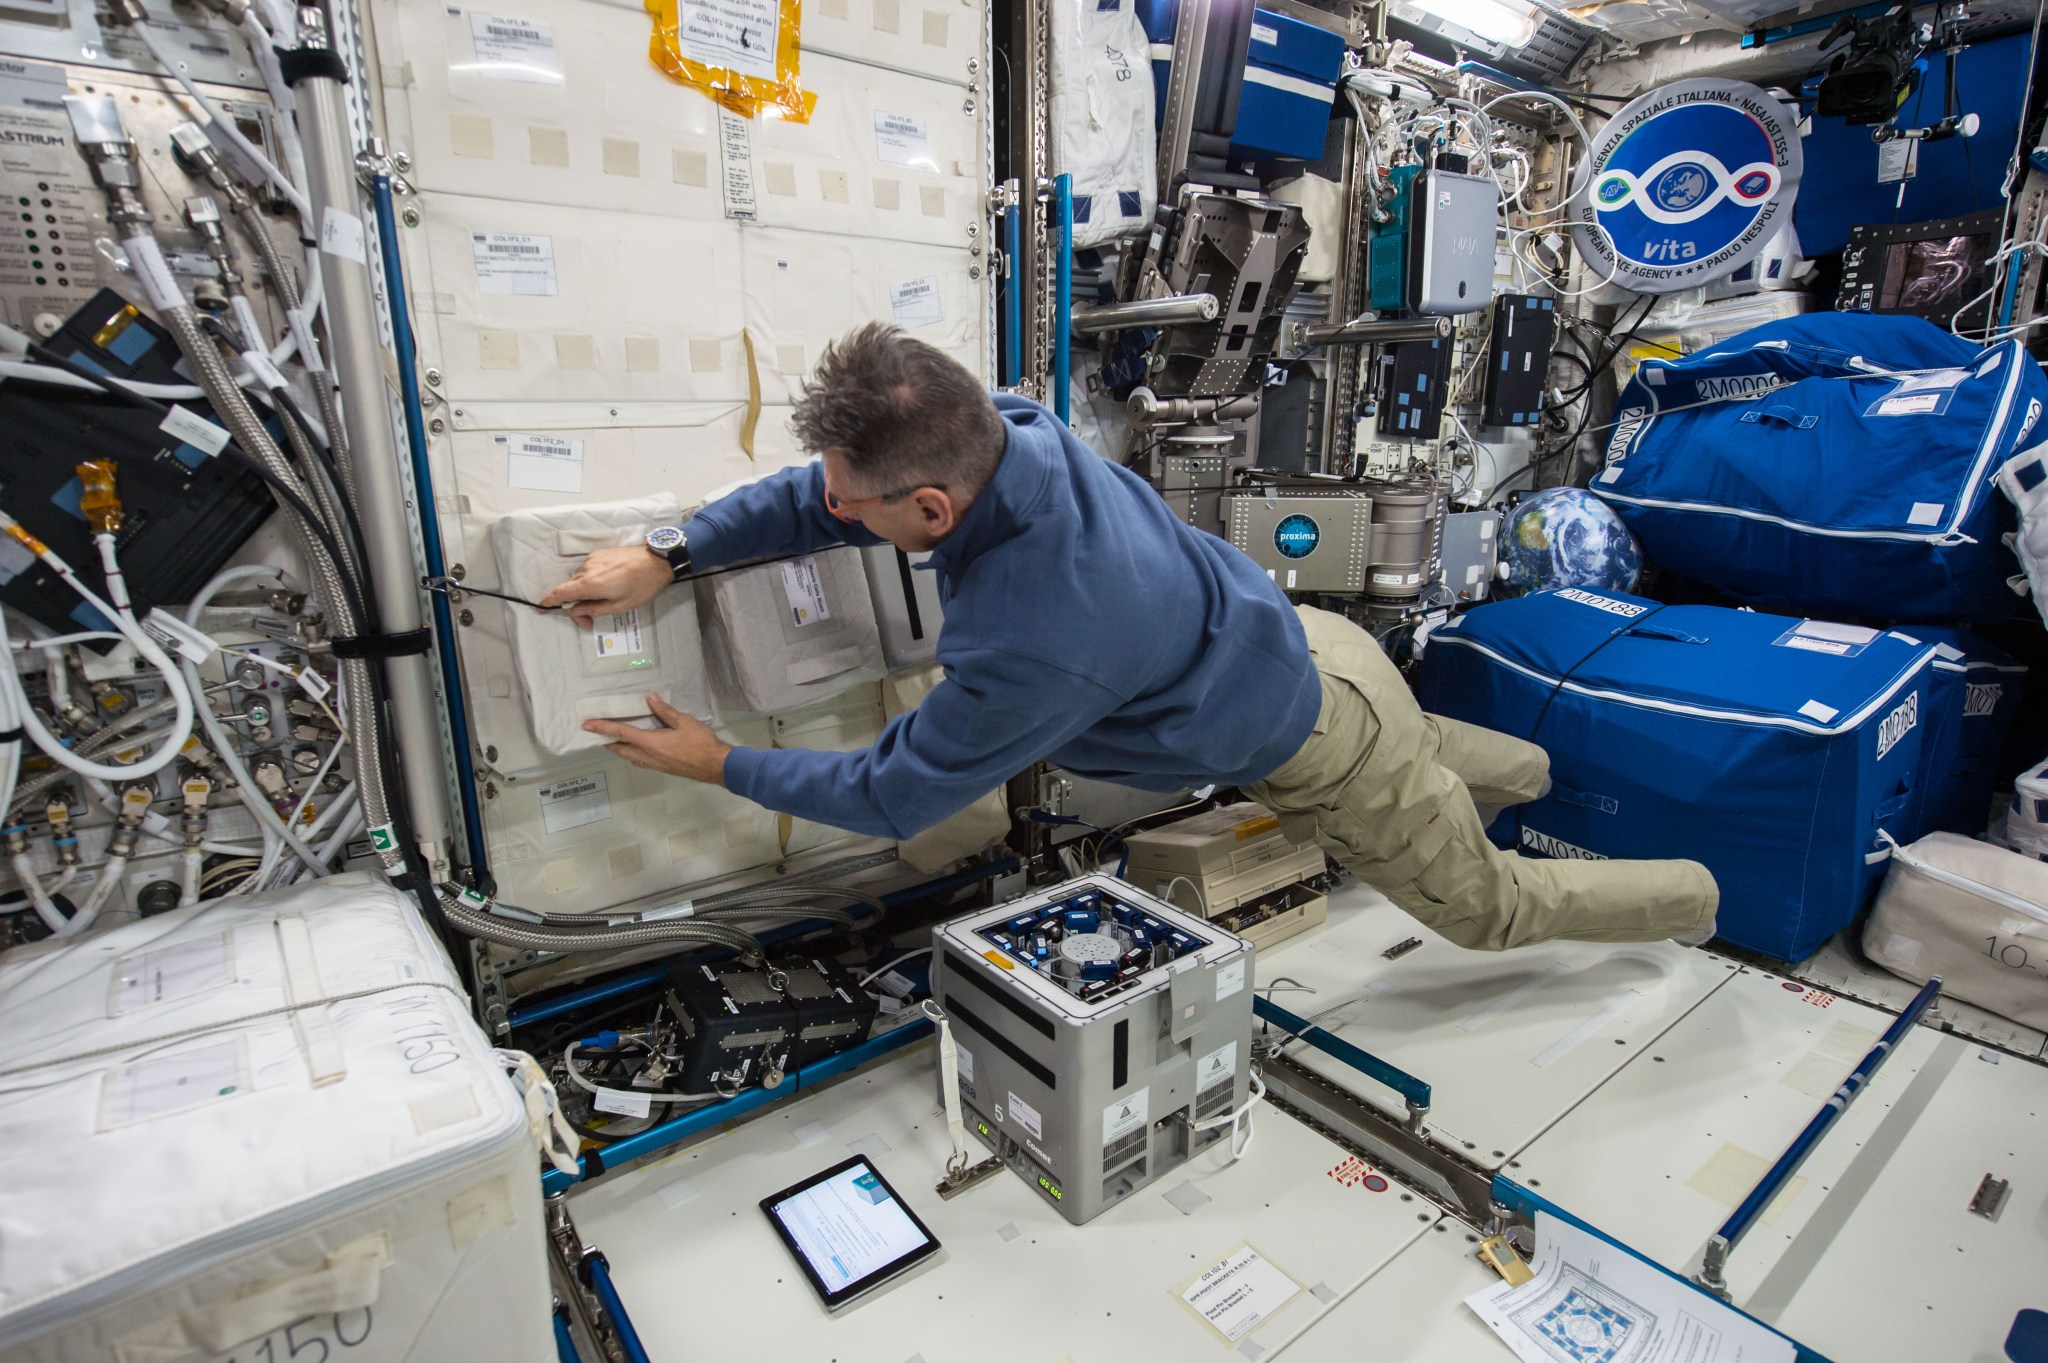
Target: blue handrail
608,1298
1013,296
1062,295
1414,1091
430,524
1745,1216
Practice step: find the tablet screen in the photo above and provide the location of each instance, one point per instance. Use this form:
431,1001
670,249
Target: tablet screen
848,1230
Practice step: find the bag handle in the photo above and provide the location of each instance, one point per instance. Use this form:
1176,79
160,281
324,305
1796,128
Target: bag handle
1783,415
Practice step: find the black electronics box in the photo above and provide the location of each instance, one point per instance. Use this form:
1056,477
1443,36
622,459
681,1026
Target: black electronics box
1518,359
184,512
1410,394
745,1025
1924,269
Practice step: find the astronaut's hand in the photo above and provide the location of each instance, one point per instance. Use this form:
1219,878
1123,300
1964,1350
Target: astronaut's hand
611,581
683,746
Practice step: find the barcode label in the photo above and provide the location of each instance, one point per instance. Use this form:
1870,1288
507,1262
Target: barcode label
514,49
514,263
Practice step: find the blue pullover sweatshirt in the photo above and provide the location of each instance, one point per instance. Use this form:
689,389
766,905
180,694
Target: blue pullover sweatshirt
1085,625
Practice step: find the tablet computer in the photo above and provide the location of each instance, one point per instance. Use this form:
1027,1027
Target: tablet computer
849,1231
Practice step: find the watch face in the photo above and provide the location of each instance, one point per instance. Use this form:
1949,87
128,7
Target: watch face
663,538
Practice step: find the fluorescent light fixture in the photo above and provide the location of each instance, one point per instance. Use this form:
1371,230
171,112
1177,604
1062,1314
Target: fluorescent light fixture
1499,21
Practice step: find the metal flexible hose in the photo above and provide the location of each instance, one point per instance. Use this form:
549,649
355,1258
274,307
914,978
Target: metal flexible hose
99,742
288,293
594,937
232,407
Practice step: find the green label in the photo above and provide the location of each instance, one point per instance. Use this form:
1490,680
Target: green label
384,838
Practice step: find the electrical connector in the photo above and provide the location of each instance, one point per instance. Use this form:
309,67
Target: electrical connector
99,502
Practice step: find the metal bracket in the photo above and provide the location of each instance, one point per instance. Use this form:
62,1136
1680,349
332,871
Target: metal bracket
1500,1256
952,1185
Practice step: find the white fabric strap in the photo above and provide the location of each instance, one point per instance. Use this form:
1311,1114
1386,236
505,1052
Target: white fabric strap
949,1084
550,1129
325,1058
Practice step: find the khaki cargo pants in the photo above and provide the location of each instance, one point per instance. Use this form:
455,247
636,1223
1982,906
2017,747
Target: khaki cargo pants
1392,793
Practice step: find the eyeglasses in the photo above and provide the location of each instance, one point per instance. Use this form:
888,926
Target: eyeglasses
843,509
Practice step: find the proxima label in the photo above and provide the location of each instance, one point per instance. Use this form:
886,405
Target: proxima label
1898,724
1604,603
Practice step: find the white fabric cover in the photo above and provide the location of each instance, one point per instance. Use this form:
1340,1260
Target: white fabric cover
569,674
1102,131
1974,914
784,635
2024,480
193,1167
908,621
982,824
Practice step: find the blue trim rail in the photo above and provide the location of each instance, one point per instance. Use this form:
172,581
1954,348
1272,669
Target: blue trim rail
1413,1091
1013,296
430,526
701,1119
1724,1241
1062,293
600,1270
1519,1201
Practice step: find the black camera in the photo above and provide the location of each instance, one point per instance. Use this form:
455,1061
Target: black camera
1867,81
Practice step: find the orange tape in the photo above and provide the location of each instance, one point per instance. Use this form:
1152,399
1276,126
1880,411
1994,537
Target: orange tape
780,96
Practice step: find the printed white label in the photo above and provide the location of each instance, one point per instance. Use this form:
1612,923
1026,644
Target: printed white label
1396,579
32,85
805,592
624,1103
739,35
194,430
1267,34
159,1085
966,1067
900,140
1926,513
341,234
1230,979
616,636
1814,645
1217,1067
1239,1292
541,463
1608,604
1898,724
1907,406
514,49
915,302
1814,709
174,634
514,262
1027,1117
1898,160
1291,575
575,802
736,157
172,972
1126,1115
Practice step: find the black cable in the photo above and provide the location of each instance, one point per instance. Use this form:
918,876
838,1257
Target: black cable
289,411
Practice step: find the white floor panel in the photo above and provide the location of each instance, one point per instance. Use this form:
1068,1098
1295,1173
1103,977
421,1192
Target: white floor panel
1835,968
1871,1254
705,1277
1412,1311
1508,1041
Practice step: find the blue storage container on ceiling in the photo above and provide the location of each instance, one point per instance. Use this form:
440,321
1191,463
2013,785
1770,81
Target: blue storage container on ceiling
1290,82
1772,750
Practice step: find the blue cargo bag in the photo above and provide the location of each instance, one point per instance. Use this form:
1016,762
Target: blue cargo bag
1973,698
1838,464
1772,750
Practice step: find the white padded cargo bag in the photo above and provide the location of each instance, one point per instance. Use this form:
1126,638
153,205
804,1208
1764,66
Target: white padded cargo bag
784,635
569,674
2026,819
907,608
204,1161
1972,913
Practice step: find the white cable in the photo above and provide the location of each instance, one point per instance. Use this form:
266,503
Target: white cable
1200,903
222,121
188,883
883,970
1236,1115
223,743
181,725
38,898
102,891
48,373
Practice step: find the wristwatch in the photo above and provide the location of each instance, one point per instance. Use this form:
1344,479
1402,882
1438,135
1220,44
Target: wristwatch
666,542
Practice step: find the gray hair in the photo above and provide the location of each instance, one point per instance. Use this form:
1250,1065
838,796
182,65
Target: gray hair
901,413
